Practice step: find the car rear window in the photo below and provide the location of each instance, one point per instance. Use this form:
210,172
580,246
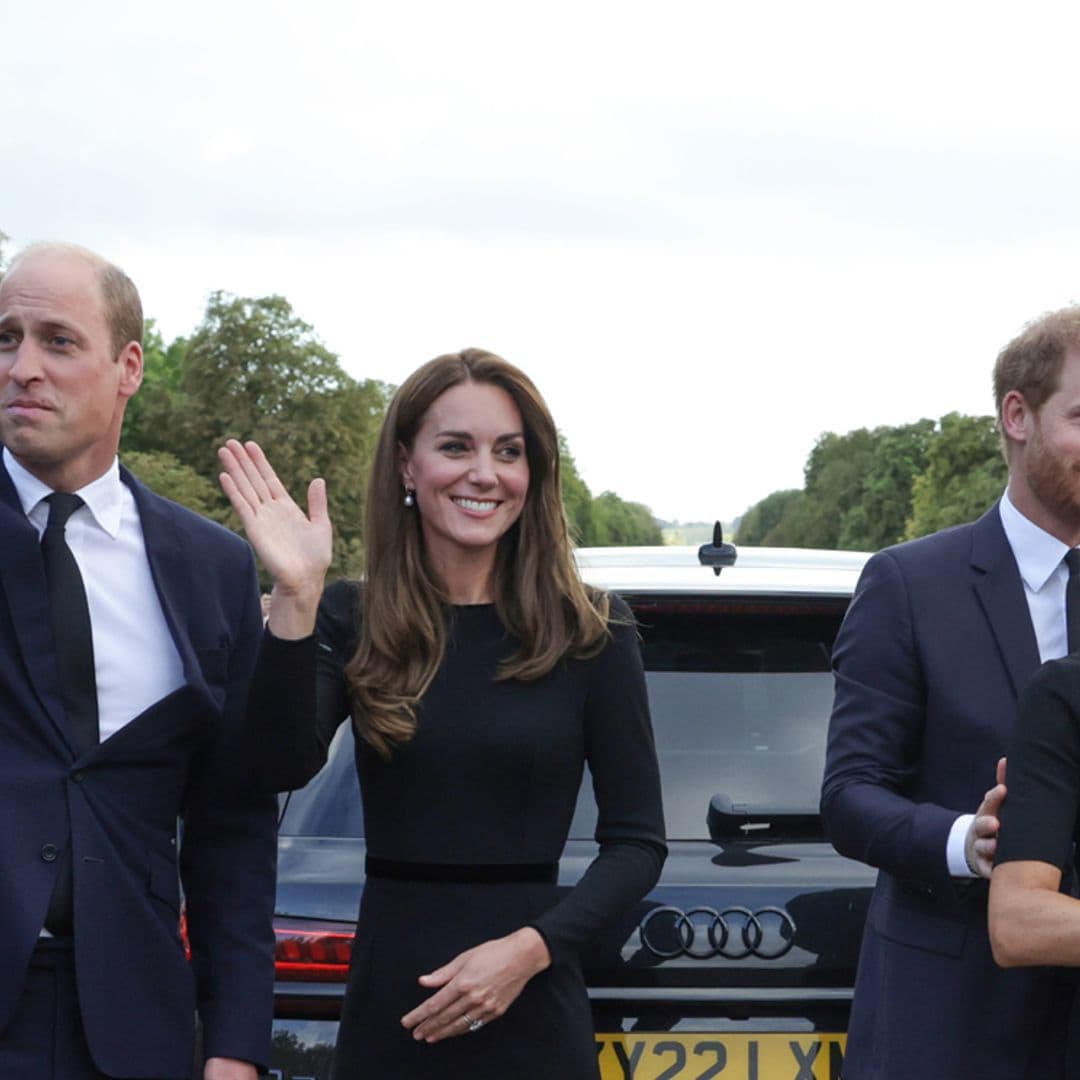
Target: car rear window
740,691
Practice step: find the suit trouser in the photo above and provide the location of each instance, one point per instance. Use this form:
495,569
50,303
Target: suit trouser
45,1039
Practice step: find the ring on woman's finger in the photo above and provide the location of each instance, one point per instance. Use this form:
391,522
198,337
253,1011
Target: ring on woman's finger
470,1023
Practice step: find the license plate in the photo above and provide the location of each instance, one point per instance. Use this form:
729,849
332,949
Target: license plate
771,1056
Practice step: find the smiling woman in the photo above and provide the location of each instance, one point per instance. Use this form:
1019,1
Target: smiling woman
481,675
468,474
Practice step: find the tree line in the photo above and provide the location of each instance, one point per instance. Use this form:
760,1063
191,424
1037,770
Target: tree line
253,369
873,487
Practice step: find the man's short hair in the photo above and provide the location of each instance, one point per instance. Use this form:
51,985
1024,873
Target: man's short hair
123,308
1032,361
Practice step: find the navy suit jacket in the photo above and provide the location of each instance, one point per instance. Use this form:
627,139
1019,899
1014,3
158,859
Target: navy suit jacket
119,804
929,663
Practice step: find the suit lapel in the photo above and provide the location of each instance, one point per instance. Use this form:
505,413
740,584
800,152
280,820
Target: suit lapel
22,576
1000,590
172,569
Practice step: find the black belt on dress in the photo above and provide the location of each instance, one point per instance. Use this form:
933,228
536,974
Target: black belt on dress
464,873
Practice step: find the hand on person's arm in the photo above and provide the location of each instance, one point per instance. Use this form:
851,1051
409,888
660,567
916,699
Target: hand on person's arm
219,1068
980,844
478,985
294,546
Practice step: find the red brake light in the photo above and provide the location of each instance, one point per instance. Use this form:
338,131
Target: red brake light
184,932
311,951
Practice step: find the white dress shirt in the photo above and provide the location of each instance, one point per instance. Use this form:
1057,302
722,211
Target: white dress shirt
136,663
1040,559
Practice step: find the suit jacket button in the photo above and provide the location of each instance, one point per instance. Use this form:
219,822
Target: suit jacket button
79,777
49,852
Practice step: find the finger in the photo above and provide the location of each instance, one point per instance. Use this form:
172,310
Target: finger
265,471
994,799
252,471
431,1007
233,456
316,501
241,505
1000,773
452,1021
459,1024
441,976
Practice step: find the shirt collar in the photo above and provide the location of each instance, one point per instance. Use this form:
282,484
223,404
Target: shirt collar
103,496
1038,554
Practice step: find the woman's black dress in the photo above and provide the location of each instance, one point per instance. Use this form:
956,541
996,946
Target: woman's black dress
489,782
1040,818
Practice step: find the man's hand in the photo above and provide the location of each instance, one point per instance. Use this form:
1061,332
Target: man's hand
981,842
219,1068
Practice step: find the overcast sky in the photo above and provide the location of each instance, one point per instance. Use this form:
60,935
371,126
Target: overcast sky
709,231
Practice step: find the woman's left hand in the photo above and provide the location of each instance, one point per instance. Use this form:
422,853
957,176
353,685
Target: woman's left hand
478,985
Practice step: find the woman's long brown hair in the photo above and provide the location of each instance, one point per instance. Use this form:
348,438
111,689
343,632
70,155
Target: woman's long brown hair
538,593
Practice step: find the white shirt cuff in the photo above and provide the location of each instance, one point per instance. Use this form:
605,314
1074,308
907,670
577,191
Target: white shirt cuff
954,849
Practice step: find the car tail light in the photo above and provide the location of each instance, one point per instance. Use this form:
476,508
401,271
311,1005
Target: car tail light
308,950
184,937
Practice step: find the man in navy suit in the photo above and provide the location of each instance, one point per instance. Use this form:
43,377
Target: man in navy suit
941,637
106,829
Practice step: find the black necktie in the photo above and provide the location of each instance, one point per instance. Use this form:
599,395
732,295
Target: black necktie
70,616
71,622
1072,599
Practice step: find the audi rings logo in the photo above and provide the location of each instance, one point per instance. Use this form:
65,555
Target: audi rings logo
702,932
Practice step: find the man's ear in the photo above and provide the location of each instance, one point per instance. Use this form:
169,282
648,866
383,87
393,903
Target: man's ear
131,363
1018,418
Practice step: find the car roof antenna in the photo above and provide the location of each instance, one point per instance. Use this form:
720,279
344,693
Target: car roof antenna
717,554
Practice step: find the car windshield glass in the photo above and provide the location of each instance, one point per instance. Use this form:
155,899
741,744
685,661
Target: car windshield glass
740,692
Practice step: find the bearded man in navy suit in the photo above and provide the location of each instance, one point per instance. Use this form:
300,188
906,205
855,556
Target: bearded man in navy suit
942,635
110,822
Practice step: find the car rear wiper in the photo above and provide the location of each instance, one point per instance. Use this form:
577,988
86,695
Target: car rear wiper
729,820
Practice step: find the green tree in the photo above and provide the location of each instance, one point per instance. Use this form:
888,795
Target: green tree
834,472
964,474
151,421
577,498
759,522
861,487
177,481
253,369
618,523
880,514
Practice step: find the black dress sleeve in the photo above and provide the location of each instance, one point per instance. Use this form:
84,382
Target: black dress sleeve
1038,818
298,694
626,782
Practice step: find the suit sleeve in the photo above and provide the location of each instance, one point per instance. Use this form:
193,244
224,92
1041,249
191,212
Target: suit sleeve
229,851
626,782
876,736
